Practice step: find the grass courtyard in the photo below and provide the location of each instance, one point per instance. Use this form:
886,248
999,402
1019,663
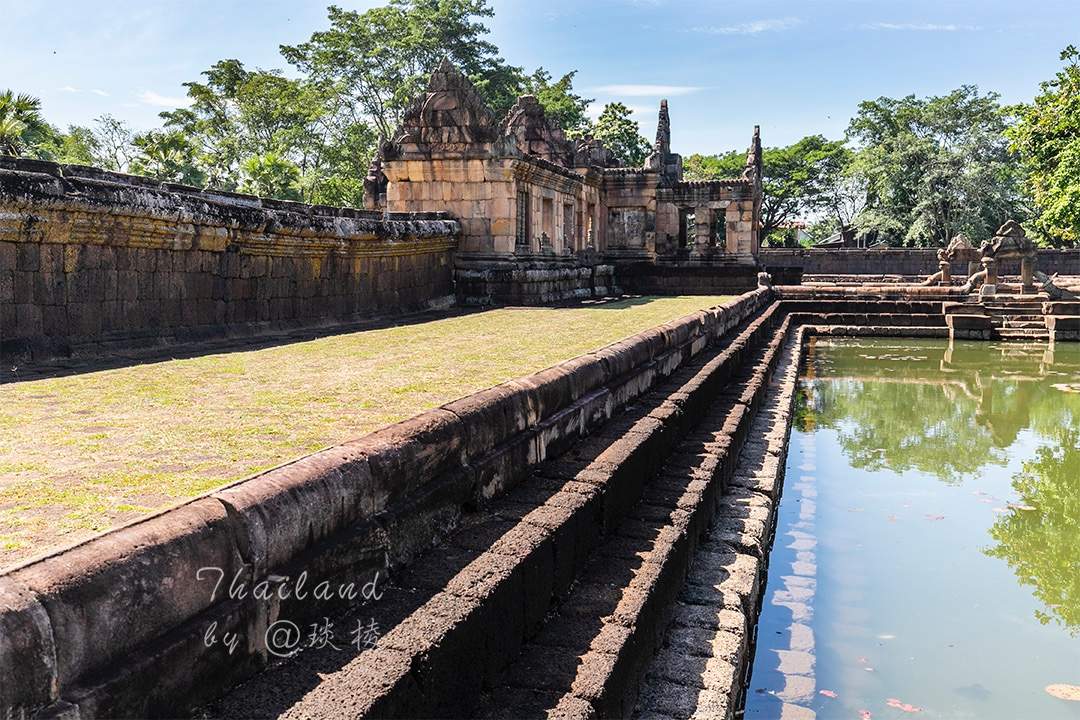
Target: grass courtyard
83,453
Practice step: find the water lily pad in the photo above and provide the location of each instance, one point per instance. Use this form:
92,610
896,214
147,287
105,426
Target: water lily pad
1064,692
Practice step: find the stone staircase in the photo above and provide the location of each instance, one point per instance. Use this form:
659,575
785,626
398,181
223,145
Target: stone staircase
1017,317
553,600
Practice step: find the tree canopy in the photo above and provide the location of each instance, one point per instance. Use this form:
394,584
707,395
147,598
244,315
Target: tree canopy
1047,138
935,167
621,135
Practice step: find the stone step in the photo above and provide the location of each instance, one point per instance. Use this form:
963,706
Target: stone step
1025,334
704,659
454,619
589,658
1025,310
1017,323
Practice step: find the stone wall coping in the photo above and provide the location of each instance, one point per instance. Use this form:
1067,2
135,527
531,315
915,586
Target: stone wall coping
30,182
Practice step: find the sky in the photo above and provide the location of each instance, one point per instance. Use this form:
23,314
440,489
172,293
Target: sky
795,67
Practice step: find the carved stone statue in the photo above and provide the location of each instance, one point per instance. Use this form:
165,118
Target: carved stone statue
1012,242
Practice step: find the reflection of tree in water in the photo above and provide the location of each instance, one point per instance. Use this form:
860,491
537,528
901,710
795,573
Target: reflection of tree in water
901,426
1043,545
900,413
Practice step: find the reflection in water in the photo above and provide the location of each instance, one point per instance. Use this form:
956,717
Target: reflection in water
1042,544
934,492
910,406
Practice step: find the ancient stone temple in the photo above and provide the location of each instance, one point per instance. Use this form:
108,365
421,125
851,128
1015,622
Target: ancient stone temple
545,218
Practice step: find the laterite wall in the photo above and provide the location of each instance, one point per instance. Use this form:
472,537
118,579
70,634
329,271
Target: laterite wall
91,259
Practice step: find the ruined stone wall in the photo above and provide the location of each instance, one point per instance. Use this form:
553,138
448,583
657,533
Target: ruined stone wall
900,261
90,259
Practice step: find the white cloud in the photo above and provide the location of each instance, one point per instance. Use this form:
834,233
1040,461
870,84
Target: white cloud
637,90
636,111
753,27
149,97
102,93
68,89
919,27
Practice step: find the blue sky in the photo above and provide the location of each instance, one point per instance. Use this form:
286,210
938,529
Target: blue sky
795,67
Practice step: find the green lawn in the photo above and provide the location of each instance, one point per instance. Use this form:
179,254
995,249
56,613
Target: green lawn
83,453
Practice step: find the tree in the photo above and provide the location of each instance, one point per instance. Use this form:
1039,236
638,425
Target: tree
1047,138
935,167
168,156
22,126
379,60
271,175
561,104
714,167
239,113
111,146
75,147
621,135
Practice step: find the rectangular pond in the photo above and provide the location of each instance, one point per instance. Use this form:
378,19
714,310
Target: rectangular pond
927,553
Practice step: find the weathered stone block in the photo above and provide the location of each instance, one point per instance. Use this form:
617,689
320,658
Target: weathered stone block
28,679
109,595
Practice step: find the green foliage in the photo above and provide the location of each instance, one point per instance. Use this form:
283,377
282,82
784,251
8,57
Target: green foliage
561,105
169,156
1047,138
378,60
621,135
935,167
78,146
111,144
22,127
270,175
714,167
1040,544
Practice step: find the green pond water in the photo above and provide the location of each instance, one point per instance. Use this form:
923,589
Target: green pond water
927,555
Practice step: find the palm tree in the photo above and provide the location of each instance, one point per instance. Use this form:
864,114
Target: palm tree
21,122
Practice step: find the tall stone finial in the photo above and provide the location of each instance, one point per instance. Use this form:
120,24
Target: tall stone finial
661,159
752,170
663,131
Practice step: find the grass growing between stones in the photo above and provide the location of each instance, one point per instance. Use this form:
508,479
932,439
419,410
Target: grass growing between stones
84,453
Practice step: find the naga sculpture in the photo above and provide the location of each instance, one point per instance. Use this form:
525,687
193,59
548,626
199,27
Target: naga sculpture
1010,243
959,248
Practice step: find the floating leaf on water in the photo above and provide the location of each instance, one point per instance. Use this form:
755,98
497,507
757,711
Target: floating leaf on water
865,715
899,705
1063,691
827,693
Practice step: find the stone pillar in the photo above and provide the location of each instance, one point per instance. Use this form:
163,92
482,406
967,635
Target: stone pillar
1027,274
702,229
990,284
